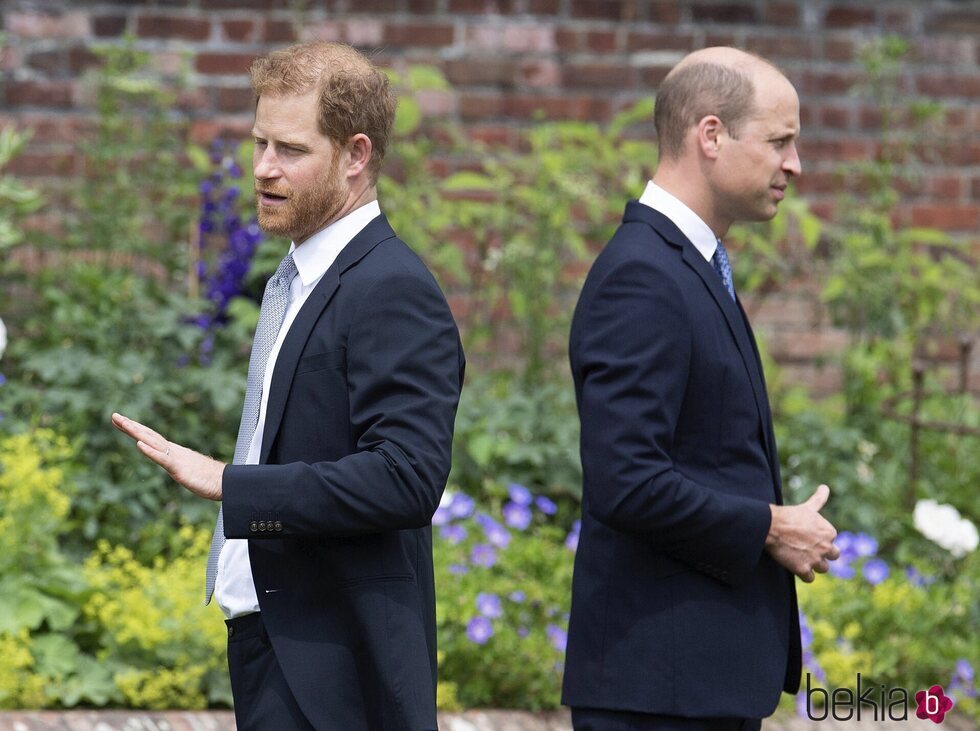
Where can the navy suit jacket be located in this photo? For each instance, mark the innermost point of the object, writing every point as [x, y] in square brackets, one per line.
[676, 607]
[354, 459]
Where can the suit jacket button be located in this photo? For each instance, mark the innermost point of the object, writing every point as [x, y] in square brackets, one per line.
[278, 526]
[262, 525]
[253, 526]
[231, 631]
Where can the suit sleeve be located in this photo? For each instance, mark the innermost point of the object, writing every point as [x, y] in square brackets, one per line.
[631, 352]
[404, 374]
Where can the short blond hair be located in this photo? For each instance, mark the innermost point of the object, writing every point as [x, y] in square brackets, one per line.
[354, 95]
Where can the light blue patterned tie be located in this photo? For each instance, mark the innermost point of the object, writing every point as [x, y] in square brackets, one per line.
[274, 303]
[720, 262]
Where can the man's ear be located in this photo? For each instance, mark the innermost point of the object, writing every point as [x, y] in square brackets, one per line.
[711, 131]
[360, 149]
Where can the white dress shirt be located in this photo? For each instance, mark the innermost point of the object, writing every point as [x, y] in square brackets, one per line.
[689, 222]
[234, 588]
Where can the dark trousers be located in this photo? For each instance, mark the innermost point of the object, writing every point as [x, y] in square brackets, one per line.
[263, 701]
[599, 719]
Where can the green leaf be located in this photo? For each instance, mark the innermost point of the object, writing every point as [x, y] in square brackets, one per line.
[407, 117]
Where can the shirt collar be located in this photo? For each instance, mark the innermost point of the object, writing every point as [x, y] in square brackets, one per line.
[319, 251]
[690, 223]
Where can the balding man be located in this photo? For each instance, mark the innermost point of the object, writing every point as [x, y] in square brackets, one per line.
[684, 610]
[322, 553]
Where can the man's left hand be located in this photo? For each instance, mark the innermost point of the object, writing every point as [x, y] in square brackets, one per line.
[198, 473]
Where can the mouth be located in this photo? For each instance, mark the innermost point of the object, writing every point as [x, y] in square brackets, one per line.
[779, 191]
[267, 198]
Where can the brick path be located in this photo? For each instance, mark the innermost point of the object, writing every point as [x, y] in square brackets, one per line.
[466, 721]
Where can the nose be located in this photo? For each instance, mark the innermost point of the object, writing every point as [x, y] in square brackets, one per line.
[791, 163]
[265, 164]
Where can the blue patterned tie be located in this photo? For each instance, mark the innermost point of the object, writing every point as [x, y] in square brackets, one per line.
[273, 310]
[720, 262]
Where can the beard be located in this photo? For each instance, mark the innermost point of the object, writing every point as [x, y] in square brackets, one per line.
[305, 211]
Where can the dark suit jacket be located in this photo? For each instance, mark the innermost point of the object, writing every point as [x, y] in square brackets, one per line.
[355, 455]
[676, 608]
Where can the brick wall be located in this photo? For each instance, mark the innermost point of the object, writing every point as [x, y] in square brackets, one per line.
[510, 59]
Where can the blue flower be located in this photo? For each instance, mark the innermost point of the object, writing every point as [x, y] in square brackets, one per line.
[495, 533]
[571, 542]
[558, 637]
[523, 632]
[545, 505]
[517, 596]
[442, 516]
[519, 494]
[461, 505]
[516, 515]
[841, 569]
[483, 555]
[864, 545]
[479, 630]
[489, 605]
[3, 379]
[875, 571]
[453, 533]
[458, 569]
[845, 542]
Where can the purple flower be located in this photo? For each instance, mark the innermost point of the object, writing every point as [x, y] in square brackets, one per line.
[917, 579]
[519, 494]
[517, 596]
[495, 533]
[558, 637]
[964, 671]
[516, 515]
[841, 569]
[442, 516]
[571, 542]
[875, 571]
[489, 605]
[845, 541]
[483, 555]
[458, 569]
[864, 545]
[523, 632]
[545, 505]
[461, 505]
[479, 630]
[3, 379]
[453, 533]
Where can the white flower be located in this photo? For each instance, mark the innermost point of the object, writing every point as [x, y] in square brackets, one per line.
[3, 337]
[943, 525]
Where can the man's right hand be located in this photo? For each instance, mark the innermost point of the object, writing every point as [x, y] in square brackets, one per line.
[800, 539]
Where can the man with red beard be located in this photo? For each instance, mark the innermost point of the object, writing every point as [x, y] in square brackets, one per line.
[322, 553]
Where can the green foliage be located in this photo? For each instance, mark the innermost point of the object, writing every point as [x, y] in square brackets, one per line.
[16, 199]
[520, 664]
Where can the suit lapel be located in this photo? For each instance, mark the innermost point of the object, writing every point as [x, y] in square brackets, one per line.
[374, 233]
[734, 316]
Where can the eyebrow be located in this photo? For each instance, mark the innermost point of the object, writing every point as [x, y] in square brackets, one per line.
[283, 143]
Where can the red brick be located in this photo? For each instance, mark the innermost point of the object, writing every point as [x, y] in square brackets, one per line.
[602, 41]
[946, 50]
[109, 26]
[603, 9]
[224, 63]
[838, 149]
[238, 30]
[416, 35]
[975, 188]
[569, 41]
[203, 131]
[806, 345]
[896, 21]
[480, 106]
[944, 187]
[279, 31]
[818, 182]
[543, 7]
[835, 117]
[838, 49]
[946, 216]
[724, 13]
[492, 134]
[422, 7]
[947, 85]
[472, 7]
[784, 14]
[664, 12]
[659, 41]
[653, 76]
[475, 71]
[543, 73]
[173, 26]
[717, 38]
[47, 25]
[782, 47]
[51, 63]
[820, 380]
[827, 82]
[584, 108]
[847, 16]
[39, 93]
[81, 59]
[965, 21]
[599, 76]
[235, 99]
[34, 164]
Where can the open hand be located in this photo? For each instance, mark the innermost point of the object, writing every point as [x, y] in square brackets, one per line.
[198, 473]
